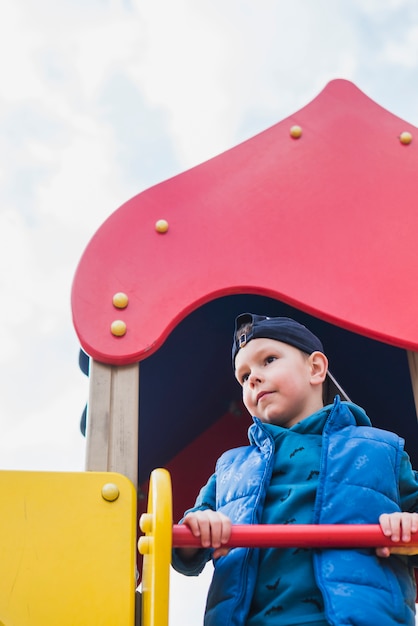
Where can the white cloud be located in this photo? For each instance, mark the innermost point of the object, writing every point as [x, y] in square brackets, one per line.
[404, 50]
[17, 283]
[179, 70]
[18, 41]
[211, 65]
[39, 430]
[377, 8]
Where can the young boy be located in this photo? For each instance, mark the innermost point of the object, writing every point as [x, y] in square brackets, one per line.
[312, 459]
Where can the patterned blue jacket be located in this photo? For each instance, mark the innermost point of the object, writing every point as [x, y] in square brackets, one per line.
[359, 479]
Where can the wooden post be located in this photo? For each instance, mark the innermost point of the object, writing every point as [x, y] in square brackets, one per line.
[413, 369]
[112, 419]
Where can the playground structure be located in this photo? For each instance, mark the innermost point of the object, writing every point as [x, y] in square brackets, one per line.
[313, 218]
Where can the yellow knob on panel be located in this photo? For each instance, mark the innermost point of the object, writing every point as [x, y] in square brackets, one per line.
[145, 522]
[144, 545]
[110, 492]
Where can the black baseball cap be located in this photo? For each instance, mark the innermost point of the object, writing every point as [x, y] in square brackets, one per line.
[288, 331]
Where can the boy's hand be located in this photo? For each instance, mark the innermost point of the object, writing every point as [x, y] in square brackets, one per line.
[399, 527]
[213, 529]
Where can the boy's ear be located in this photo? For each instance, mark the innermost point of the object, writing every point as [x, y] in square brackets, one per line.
[319, 367]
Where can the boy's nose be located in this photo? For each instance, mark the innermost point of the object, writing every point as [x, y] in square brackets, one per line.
[255, 377]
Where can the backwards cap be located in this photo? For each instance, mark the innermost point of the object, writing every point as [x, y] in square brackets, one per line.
[288, 331]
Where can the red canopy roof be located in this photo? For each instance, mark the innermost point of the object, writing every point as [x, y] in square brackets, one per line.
[326, 222]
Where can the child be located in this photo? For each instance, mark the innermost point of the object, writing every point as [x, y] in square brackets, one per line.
[306, 464]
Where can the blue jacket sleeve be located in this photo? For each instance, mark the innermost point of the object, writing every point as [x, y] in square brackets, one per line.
[205, 500]
[408, 486]
[408, 490]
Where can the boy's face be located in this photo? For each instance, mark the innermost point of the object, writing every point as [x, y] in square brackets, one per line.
[280, 384]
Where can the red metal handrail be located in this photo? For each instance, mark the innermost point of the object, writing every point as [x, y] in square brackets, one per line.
[297, 535]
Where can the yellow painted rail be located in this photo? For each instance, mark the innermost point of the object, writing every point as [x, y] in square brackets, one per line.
[155, 546]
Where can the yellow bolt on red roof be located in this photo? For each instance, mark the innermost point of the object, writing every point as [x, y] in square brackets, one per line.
[296, 132]
[161, 226]
[118, 328]
[405, 137]
[120, 300]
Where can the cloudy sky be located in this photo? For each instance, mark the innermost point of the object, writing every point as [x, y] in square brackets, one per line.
[100, 99]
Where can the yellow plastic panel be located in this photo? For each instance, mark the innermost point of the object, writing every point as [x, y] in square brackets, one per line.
[67, 549]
